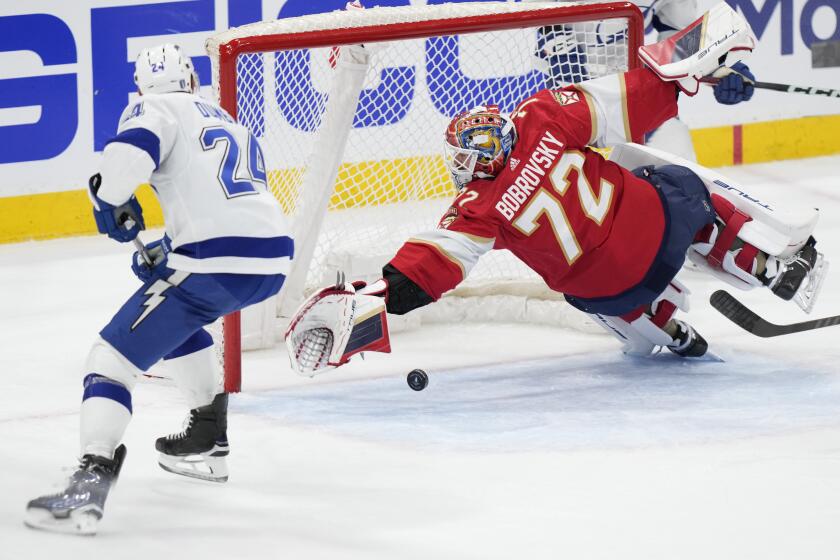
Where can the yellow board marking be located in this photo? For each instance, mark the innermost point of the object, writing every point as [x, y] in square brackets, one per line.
[713, 146]
[62, 214]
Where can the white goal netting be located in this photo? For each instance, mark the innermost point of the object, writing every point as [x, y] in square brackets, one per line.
[353, 135]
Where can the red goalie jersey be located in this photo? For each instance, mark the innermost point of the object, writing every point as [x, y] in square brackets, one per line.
[589, 227]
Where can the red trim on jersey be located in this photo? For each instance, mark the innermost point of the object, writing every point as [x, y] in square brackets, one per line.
[427, 267]
[650, 102]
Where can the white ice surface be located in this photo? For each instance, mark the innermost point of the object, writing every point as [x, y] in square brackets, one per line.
[528, 443]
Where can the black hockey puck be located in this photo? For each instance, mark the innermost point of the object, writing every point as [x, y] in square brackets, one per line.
[417, 379]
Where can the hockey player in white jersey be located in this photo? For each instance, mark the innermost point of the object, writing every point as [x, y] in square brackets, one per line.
[226, 246]
[565, 54]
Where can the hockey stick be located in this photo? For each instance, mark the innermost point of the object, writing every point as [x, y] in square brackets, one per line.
[138, 244]
[748, 320]
[787, 88]
[125, 220]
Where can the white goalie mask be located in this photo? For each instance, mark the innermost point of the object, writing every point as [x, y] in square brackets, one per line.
[164, 69]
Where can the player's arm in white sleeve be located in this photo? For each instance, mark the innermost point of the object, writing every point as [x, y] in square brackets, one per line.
[144, 139]
[670, 16]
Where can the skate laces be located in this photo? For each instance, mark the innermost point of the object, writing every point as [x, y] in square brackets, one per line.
[69, 475]
[187, 427]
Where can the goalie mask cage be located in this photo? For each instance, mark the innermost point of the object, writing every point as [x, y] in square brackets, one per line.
[350, 108]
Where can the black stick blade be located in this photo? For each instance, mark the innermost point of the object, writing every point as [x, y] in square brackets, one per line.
[748, 320]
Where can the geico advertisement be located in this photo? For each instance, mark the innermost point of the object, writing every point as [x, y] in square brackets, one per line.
[66, 72]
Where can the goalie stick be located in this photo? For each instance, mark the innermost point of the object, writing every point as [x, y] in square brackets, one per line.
[748, 320]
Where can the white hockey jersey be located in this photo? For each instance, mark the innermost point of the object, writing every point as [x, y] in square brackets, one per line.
[210, 178]
[667, 16]
[664, 16]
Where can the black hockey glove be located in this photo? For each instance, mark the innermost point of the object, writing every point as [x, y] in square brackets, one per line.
[403, 294]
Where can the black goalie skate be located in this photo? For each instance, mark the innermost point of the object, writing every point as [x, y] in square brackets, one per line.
[200, 450]
[79, 507]
[688, 343]
[799, 278]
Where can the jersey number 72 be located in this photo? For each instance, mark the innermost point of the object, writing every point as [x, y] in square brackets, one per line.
[594, 207]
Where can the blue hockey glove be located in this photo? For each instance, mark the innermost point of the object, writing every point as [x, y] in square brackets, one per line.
[157, 251]
[559, 57]
[122, 222]
[733, 88]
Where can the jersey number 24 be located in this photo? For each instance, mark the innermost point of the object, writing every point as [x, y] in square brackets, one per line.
[235, 180]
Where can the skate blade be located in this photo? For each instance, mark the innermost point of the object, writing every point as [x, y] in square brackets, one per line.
[212, 469]
[707, 357]
[660, 354]
[83, 521]
[807, 294]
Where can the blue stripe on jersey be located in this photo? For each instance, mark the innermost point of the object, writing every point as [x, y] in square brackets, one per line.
[200, 340]
[250, 247]
[100, 386]
[142, 138]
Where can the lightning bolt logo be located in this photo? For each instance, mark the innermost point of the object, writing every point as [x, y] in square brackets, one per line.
[155, 293]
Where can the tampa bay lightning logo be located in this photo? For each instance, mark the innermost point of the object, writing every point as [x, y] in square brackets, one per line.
[156, 294]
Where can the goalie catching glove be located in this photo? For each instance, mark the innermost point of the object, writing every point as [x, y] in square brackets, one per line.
[336, 323]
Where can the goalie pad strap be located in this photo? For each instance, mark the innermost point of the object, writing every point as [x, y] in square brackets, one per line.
[734, 220]
[664, 311]
[746, 257]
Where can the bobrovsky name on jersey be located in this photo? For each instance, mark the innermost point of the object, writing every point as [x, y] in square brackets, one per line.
[530, 176]
[54, 89]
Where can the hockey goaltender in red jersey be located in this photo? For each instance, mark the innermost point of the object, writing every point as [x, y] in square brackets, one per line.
[610, 239]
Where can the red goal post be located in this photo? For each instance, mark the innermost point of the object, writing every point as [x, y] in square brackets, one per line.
[302, 52]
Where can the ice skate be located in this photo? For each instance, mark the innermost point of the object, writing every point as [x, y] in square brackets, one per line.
[200, 450]
[798, 278]
[687, 342]
[79, 507]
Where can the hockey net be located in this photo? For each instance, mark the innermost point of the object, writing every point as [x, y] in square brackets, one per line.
[352, 135]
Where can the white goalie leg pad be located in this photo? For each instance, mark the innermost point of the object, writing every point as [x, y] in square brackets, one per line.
[643, 334]
[334, 324]
[639, 338]
[778, 229]
[729, 271]
[673, 136]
